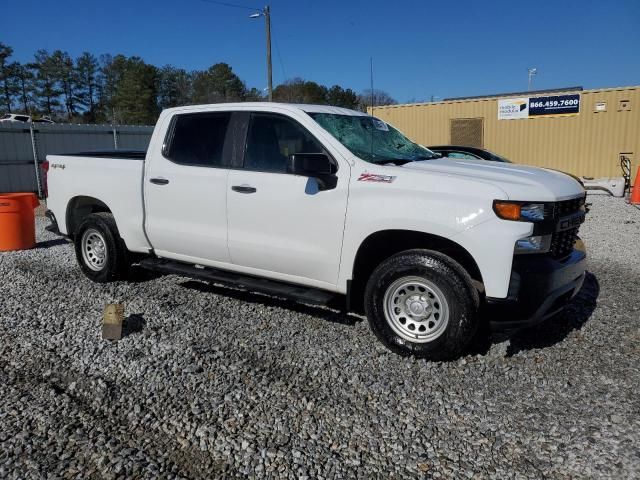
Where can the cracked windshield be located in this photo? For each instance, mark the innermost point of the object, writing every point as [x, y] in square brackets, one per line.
[371, 139]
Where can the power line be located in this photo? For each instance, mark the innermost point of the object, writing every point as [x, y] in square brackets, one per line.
[275, 40]
[225, 4]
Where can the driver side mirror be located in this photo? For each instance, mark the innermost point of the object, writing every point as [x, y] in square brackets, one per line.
[314, 165]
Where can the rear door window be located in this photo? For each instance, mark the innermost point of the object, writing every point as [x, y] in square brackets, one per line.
[272, 139]
[198, 139]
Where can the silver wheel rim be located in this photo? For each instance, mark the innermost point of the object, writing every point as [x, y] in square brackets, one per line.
[416, 309]
[94, 249]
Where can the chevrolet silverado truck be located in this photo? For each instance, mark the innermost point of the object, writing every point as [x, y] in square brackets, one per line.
[318, 203]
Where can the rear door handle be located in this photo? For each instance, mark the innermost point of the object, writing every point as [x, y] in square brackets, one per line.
[159, 181]
[243, 189]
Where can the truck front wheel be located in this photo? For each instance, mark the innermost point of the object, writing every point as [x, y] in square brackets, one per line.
[100, 251]
[422, 303]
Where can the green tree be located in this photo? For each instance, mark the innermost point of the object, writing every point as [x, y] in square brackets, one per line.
[174, 87]
[110, 75]
[64, 74]
[120, 89]
[24, 85]
[135, 97]
[339, 97]
[376, 98]
[301, 91]
[46, 89]
[254, 95]
[6, 76]
[86, 81]
[218, 84]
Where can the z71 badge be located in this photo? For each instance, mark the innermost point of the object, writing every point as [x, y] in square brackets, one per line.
[374, 177]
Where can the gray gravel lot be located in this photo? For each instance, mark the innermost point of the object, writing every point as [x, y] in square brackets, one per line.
[214, 382]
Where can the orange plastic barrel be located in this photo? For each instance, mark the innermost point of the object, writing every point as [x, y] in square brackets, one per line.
[17, 221]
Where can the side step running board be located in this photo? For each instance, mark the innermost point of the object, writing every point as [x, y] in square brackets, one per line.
[246, 282]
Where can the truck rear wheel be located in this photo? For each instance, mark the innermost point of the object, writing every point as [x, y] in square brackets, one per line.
[100, 251]
[422, 303]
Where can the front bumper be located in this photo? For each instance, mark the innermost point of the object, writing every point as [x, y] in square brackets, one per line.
[540, 287]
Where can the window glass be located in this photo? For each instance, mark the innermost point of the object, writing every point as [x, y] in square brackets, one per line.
[22, 118]
[462, 155]
[198, 139]
[272, 139]
[497, 158]
[371, 139]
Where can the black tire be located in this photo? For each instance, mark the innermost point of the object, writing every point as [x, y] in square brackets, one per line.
[448, 279]
[115, 264]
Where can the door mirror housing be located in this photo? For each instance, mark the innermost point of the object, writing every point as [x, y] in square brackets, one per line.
[314, 165]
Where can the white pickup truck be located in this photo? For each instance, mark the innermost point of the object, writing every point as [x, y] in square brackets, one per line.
[316, 203]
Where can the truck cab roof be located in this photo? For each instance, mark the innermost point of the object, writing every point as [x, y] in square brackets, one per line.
[271, 105]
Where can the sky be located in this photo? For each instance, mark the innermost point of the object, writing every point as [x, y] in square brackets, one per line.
[419, 48]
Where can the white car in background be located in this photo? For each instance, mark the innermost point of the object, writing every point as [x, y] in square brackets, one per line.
[17, 117]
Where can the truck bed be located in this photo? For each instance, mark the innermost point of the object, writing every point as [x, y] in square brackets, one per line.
[112, 177]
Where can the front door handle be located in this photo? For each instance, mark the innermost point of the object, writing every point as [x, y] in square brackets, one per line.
[243, 189]
[159, 181]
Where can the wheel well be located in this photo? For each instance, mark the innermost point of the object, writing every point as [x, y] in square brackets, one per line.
[381, 245]
[79, 208]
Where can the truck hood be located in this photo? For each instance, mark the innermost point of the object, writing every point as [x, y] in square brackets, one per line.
[519, 182]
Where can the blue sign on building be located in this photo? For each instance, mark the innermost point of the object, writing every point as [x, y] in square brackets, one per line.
[554, 105]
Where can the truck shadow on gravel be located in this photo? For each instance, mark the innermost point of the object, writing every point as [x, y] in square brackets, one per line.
[52, 243]
[331, 313]
[557, 328]
[550, 332]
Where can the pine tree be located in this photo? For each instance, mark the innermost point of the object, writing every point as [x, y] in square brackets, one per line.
[339, 97]
[135, 97]
[86, 81]
[6, 76]
[64, 73]
[46, 90]
[24, 85]
[174, 87]
[110, 75]
[218, 84]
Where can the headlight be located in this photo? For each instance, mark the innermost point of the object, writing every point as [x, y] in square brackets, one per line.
[518, 211]
[533, 212]
[534, 244]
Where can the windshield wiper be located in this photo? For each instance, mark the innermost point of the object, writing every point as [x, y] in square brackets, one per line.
[396, 161]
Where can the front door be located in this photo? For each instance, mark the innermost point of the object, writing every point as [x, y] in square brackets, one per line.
[279, 222]
[185, 189]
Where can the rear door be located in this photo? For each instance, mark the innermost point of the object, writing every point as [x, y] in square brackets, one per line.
[279, 222]
[185, 189]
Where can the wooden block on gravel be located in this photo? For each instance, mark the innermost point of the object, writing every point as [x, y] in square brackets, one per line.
[112, 321]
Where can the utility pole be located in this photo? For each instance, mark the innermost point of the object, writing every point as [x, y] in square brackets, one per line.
[267, 18]
[266, 13]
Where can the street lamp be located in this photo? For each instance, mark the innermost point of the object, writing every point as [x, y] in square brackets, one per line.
[266, 13]
[532, 72]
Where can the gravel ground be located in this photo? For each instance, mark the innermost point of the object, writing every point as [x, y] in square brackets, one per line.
[214, 382]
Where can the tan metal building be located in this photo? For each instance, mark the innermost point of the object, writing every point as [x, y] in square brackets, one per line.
[531, 128]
